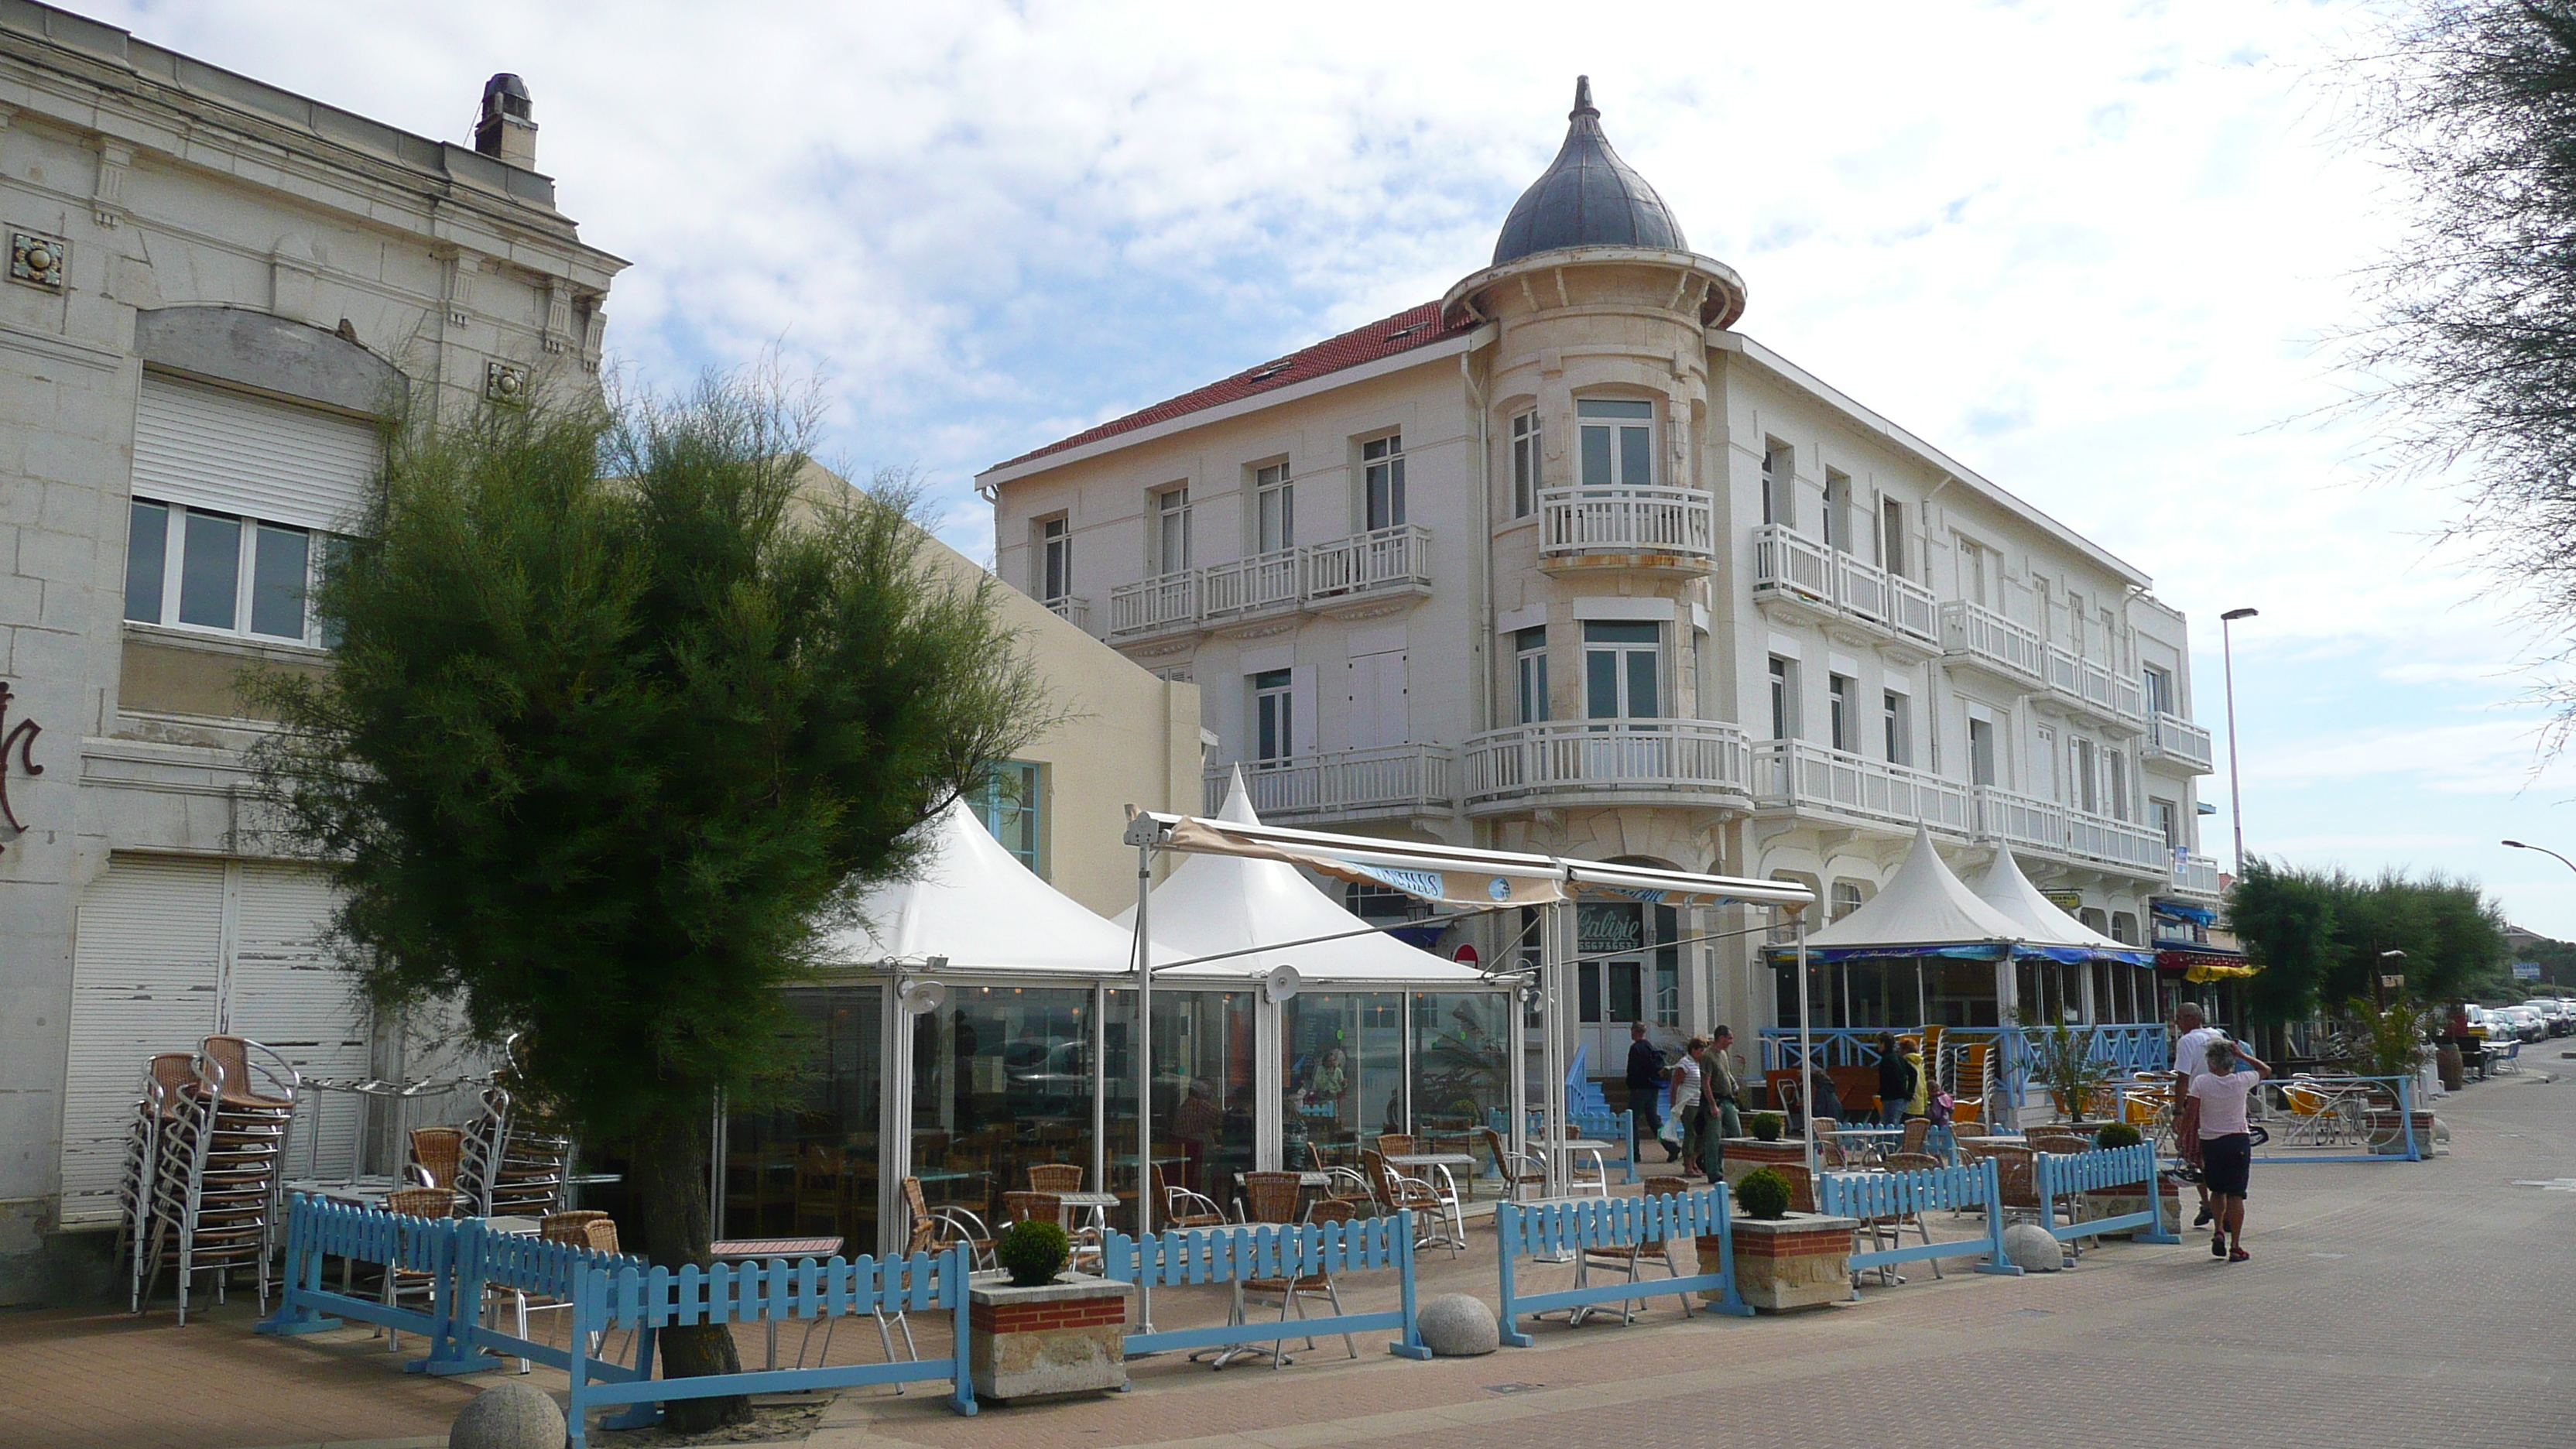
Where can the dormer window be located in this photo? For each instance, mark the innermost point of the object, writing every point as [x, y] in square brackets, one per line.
[1618, 442]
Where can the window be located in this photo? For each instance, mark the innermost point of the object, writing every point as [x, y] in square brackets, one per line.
[1778, 469]
[1618, 442]
[2045, 757]
[1784, 698]
[2160, 814]
[1382, 475]
[1621, 666]
[1846, 899]
[1275, 507]
[2075, 624]
[1055, 560]
[2117, 764]
[1977, 573]
[1172, 530]
[1274, 735]
[1377, 903]
[1893, 710]
[1529, 664]
[2080, 772]
[207, 570]
[1525, 455]
[2159, 690]
[1837, 511]
[1839, 707]
[1891, 536]
[1012, 806]
[1981, 752]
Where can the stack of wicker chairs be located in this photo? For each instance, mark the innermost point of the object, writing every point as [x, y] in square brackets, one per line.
[210, 1198]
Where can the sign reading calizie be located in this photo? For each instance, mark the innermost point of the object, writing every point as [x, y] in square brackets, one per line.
[1612, 927]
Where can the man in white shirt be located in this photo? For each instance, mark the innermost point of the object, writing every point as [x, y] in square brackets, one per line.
[2191, 1058]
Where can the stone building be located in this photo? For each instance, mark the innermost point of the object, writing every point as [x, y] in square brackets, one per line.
[1567, 561]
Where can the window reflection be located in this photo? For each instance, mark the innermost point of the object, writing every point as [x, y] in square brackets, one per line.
[809, 1166]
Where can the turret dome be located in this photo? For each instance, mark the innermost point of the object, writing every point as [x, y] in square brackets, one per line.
[1587, 197]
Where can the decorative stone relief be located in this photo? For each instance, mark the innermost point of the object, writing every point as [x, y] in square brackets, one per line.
[36, 260]
[558, 329]
[107, 199]
[504, 383]
[594, 336]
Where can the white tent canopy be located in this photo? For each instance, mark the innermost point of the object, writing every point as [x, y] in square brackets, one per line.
[1923, 906]
[1215, 904]
[975, 904]
[2041, 921]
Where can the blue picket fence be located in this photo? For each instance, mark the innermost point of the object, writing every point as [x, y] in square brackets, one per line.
[1271, 1251]
[647, 1300]
[317, 1229]
[1573, 1227]
[2056, 1176]
[1889, 1196]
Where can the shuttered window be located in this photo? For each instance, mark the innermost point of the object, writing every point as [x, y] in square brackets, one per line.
[170, 950]
[228, 452]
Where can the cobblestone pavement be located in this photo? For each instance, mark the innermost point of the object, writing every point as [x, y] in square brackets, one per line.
[2386, 1306]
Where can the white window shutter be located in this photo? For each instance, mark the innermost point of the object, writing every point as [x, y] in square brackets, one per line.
[210, 448]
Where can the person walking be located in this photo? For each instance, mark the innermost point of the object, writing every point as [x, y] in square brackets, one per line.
[1646, 1084]
[2227, 1141]
[1920, 1104]
[2193, 1036]
[1686, 1099]
[1895, 1081]
[1719, 1116]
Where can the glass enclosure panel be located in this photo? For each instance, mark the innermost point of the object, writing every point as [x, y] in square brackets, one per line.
[147, 547]
[1001, 1079]
[1462, 1077]
[277, 582]
[209, 570]
[1343, 1054]
[1203, 1094]
[809, 1165]
[1961, 993]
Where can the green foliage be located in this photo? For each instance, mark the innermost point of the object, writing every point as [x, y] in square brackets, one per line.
[2388, 1043]
[2066, 1064]
[1763, 1193]
[1033, 1252]
[2318, 935]
[1765, 1126]
[2117, 1134]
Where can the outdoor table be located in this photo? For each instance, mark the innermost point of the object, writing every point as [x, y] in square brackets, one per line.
[1097, 1204]
[756, 1250]
[1869, 1143]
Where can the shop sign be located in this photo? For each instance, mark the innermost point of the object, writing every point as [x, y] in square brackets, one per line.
[1614, 927]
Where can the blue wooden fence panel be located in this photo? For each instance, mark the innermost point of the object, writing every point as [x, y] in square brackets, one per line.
[650, 1299]
[1566, 1226]
[1976, 1187]
[1267, 1250]
[2067, 1175]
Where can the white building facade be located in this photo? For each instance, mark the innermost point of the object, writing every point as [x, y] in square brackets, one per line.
[218, 293]
[1567, 562]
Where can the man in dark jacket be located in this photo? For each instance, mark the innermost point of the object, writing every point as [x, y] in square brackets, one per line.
[1646, 1084]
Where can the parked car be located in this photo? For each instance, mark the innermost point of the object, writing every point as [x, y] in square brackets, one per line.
[2561, 1018]
[2527, 1024]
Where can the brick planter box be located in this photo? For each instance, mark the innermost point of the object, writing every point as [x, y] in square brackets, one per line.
[2120, 1201]
[1066, 1337]
[1788, 1155]
[1801, 1261]
[2382, 1122]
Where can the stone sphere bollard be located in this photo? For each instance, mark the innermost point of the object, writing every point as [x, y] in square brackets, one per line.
[508, 1416]
[2029, 1247]
[1458, 1325]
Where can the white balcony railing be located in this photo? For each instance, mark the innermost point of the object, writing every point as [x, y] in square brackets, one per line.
[1679, 755]
[2046, 825]
[1785, 562]
[1288, 578]
[1073, 610]
[1575, 521]
[2177, 738]
[1396, 778]
[1797, 775]
[1980, 634]
[2195, 875]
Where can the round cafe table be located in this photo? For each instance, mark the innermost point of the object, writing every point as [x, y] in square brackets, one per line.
[761, 1250]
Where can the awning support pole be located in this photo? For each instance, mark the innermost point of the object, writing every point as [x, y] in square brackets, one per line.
[1806, 1053]
[1143, 832]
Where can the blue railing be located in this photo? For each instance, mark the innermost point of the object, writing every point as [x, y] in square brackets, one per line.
[2068, 1175]
[1281, 1252]
[2125, 1046]
[1583, 1226]
[1892, 1196]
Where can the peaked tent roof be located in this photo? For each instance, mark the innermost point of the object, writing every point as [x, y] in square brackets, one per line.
[2044, 924]
[1924, 910]
[974, 903]
[1219, 903]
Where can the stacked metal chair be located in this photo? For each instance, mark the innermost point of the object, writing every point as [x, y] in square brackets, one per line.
[514, 1160]
[209, 1151]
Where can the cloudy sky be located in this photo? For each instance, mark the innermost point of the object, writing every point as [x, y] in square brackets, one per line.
[2092, 249]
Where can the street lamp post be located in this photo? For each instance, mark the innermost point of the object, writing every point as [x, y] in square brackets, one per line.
[2235, 796]
[2545, 850]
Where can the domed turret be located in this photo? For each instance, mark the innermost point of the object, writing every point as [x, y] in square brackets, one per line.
[1587, 197]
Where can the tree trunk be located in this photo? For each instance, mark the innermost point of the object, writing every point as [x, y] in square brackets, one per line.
[668, 1174]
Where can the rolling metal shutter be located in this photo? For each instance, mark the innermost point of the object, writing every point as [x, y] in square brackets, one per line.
[284, 990]
[210, 448]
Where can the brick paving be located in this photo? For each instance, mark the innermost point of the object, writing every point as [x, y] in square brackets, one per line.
[2386, 1306]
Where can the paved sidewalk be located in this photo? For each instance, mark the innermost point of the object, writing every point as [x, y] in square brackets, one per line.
[2367, 1318]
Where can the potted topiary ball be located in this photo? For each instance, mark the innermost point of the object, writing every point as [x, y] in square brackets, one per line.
[2117, 1134]
[1763, 1194]
[1765, 1126]
[1033, 1252]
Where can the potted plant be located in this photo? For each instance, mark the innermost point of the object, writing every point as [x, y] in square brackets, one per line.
[1763, 1193]
[2065, 1062]
[1765, 1126]
[2117, 1134]
[1033, 1252]
[2392, 1042]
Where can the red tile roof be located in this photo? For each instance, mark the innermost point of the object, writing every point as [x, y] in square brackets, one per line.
[1411, 328]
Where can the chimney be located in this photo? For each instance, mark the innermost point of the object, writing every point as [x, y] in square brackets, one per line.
[505, 133]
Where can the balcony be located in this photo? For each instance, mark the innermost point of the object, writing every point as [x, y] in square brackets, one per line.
[1674, 528]
[1562, 763]
[1978, 637]
[2196, 876]
[1796, 775]
[1074, 611]
[1396, 781]
[1834, 584]
[2093, 688]
[2071, 834]
[2171, 737]
[1388, 561]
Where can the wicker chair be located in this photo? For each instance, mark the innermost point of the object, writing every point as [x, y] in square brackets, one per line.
[937, 1231]
[1630, 1258]
[1517, 1169]
[1437, 1219]
[1396, 1144]
[1289, 1292]
[1183, 1208]
[1916, 1130]
[1055, 1177]
[436, 1153]
[413, 1202]
[1344, 1178]
[1270, 1197]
